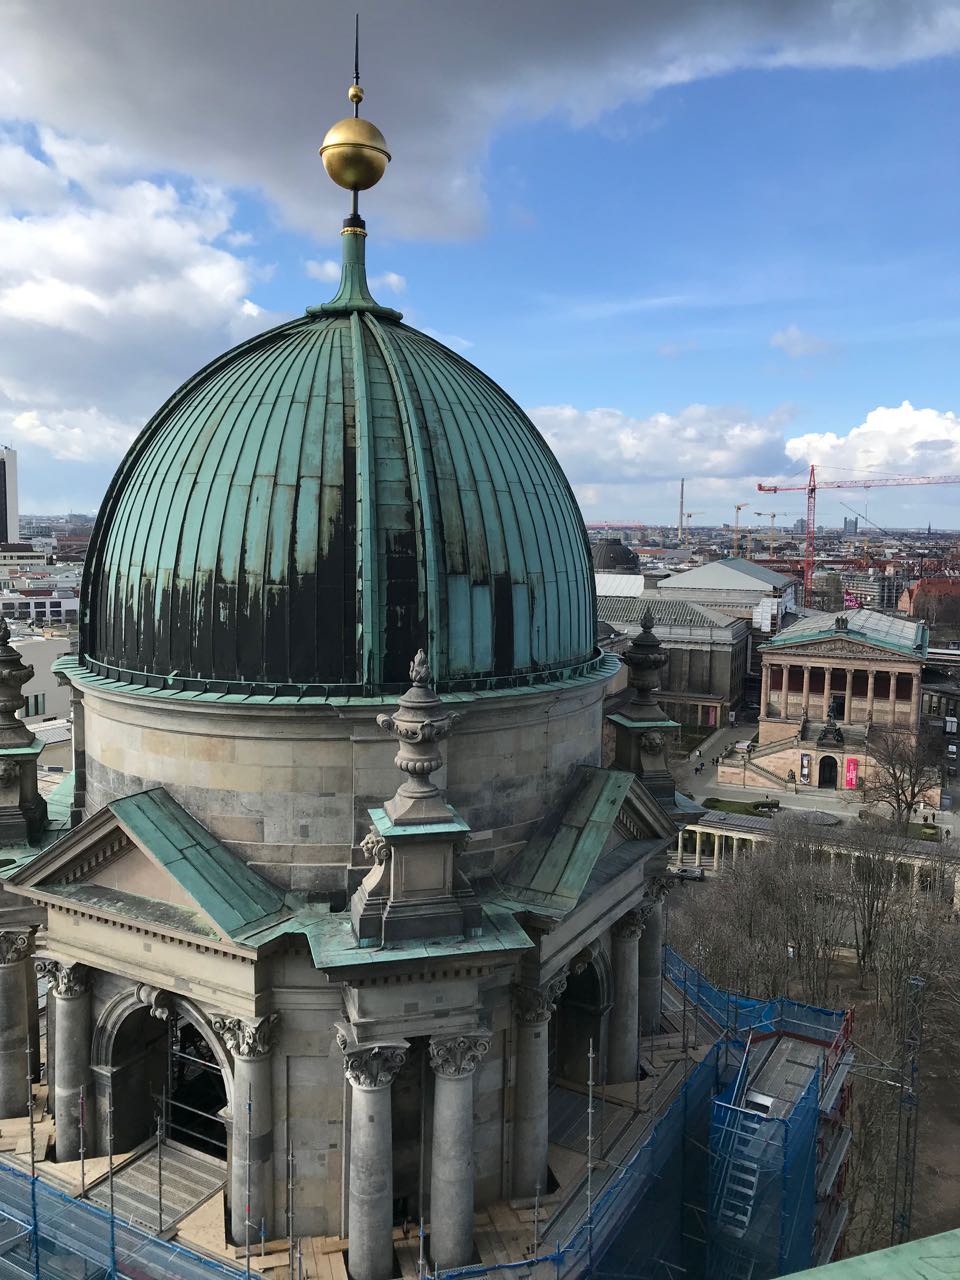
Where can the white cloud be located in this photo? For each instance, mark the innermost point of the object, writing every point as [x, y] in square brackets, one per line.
[109, 296]
[897, 440]
[75, 435]
[451, 340]
[328, 270]
[92, 70]
[608, 447]
[797, 344]
[389, 280]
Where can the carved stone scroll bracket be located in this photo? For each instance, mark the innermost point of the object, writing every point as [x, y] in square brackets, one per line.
[157, 1001]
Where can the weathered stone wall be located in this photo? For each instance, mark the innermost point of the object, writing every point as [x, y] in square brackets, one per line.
[289, 788]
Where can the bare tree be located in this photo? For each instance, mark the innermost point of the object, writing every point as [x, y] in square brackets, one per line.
[905, 768]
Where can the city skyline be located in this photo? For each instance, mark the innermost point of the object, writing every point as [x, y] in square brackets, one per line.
[685, 248]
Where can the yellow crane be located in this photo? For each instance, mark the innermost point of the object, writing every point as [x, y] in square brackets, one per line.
[773, 531]
[736, 526]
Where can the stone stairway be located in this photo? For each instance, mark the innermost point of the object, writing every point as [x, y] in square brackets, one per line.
[187, 1179]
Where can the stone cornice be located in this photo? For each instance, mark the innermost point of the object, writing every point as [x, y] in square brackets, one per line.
[792, 655]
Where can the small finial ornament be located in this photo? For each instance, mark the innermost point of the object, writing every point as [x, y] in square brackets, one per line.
[354, 151]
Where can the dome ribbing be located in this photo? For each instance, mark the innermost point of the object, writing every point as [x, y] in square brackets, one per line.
[323, 500]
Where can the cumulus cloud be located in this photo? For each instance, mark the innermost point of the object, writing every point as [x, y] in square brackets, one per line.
[607, 446]
[110, 294]
[328, 270]
[897, 440]
[140, 76]
[792, 341]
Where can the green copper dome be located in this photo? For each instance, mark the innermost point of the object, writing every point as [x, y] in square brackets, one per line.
[322, 501]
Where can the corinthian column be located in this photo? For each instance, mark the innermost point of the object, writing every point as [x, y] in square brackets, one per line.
[70, 989]
[650, 955]
[250, 1044]
[533, 1007]
[14, 1024]
[370, 1070]
[454, 1060]
[624, 1041]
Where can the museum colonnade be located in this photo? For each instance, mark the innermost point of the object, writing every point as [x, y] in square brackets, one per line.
[868, 694]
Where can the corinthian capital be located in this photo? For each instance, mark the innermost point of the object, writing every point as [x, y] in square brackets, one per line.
[632, 924]
[15, 945]
[458, 1055]
[66, 980]
[247, 1039]
[370, 1066]
[536, 1004]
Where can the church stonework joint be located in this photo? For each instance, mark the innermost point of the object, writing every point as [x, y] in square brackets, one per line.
[458, 1055]
[370, 1067]
[14, 945]
[244, 1039]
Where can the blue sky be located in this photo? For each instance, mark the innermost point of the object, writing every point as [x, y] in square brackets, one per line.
[685, 251]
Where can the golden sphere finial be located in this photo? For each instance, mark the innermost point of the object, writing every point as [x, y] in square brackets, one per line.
[355, 94]
[354, 151]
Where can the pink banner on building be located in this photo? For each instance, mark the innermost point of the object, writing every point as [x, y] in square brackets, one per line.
[850, 773]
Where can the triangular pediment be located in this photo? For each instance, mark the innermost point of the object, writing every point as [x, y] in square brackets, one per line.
[608, 816]
[844, 646]
[144, 858]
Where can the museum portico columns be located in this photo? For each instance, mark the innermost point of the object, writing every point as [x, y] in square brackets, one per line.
[15, 947]
[848, 696]
[915, 700]
[871, 681]
[624, 1037]
[765, 690]
[892, 700]
[70, 990]
[370, 1070]
[825, 705]
[806, 692]
[251, 1164]
[533, 1007]
[454, 1059]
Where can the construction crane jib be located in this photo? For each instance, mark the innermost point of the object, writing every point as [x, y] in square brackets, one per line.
[810, 488]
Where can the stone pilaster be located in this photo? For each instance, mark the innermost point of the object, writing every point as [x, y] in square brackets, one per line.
[370, 1070]
[250, 1044]
[624, 1038]
[70, 989]
[454, 1059]
[15, 947]
[533, 1007]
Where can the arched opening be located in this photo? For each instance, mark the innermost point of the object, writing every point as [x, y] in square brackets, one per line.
[827, 777]
[159, 1060]
[197, 1093]
[581, 1016]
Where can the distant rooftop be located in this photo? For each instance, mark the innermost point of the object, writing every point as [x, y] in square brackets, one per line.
[628, 611]
[900, 635]
[728, 575]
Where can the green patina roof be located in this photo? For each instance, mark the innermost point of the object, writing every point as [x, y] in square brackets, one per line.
[898, 635]
[933, 1258]
[323, 500]
[553, 870]
[229, 893]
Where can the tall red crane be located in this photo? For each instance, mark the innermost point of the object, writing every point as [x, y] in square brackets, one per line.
[810, 488]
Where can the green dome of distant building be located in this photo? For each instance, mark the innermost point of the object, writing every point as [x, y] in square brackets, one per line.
[322, 501]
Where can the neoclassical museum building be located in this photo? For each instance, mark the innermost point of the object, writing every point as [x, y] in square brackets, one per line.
[343, 882]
